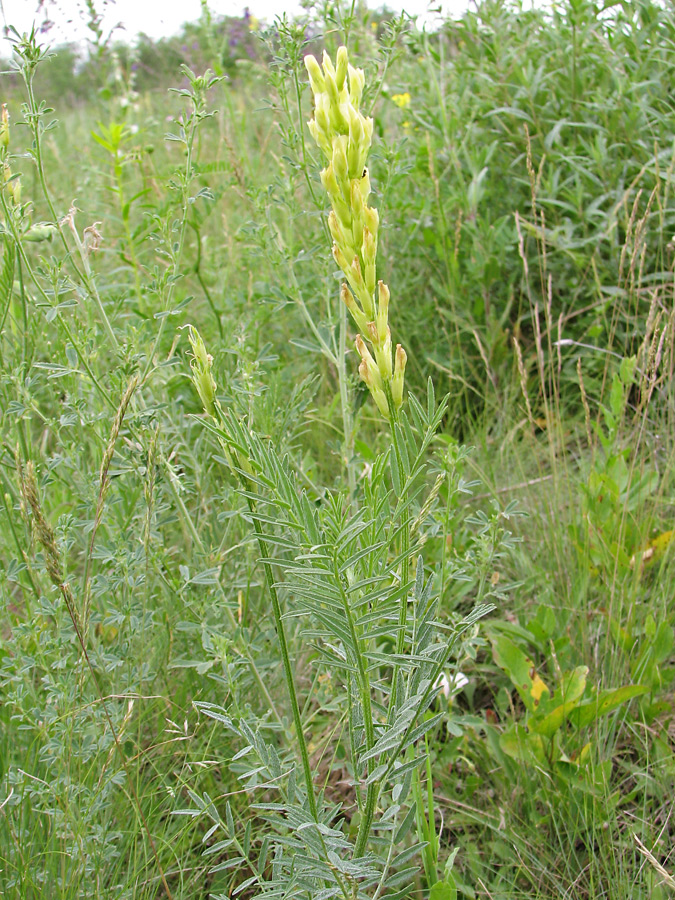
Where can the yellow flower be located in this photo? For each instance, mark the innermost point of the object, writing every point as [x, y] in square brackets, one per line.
[401, 100]
[344, 135]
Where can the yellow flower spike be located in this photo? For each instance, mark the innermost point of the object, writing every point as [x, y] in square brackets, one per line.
[344, 136]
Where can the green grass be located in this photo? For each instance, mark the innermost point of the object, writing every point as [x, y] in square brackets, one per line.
[526, 210]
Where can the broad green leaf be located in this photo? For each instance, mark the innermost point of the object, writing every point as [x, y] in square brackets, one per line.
[604, 703]
[571, 691]
[520, 670]
[444, 890]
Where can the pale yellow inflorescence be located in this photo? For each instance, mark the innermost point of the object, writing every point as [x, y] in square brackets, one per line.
[344, 136]
[11, 182]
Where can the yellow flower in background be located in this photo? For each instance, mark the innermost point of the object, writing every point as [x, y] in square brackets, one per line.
[401, 100]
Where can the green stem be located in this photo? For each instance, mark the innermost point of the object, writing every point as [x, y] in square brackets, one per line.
[364, 685]
[345, 402]
[405, 549]
[288, 669]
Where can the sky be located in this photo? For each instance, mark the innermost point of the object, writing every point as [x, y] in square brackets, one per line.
[161, 18]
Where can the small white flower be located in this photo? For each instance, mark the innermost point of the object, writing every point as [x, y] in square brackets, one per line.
[451, 686]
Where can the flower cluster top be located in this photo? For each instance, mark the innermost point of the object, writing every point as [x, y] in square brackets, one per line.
[344, 136]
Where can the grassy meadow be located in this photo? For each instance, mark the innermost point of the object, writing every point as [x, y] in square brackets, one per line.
[259, 635]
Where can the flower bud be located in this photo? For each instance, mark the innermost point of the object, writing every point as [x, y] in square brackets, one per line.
[356, 82]
[41, 231]
[383, 356]
[339, 158]
[4, 127]
[364, 185]
[329, 181]
[14, 189]
[332, 89]
[382, 311]
[372, 218]
[370, 374]
[369, 253]
[342, 67]
[202, 378]
[399, 373]
[328, 66]
[319, 136]
[357, 313]
[315, 74]
[339, 235]
[322, 117]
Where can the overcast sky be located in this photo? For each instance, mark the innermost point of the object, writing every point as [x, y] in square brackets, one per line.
[160, 18]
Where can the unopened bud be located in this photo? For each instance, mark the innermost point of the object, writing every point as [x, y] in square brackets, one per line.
[369, 253]
[372, 219]
[341, 259]
[383, 357]
[315, 74]
[356, 312]
[329, 181]
[382, 311]
[399, 374]
[342, 67]
[13, 183]
[319, 136]
[202, 378]
[368, 368]
[4, 127]
[328, 66]
[364, 185]
[332, 89]
[356, 82]
[339, 158]
[41, 231]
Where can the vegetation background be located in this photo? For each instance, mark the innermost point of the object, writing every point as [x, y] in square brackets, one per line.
[523, 169]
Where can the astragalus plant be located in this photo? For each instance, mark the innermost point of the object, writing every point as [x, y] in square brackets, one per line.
[350, 568]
